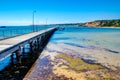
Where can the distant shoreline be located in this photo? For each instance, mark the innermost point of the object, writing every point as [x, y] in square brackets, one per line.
[101, 27]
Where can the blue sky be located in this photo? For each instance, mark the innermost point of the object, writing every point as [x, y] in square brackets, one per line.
[19, 12]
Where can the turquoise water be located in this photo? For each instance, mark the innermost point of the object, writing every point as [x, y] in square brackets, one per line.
[9, 31]
[101, 38]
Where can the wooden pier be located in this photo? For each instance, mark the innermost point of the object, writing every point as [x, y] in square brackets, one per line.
[14, 44]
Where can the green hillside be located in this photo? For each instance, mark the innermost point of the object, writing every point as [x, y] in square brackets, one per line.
[115, 23]
[104, 23]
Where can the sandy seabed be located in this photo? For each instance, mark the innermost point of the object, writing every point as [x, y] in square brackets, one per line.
[106, 58]
[47, 67]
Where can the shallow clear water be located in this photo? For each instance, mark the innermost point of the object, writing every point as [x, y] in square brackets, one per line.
[92, 45]
[99, 38]
[105, 38]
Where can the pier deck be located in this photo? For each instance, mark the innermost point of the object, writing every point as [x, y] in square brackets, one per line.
[8, 46]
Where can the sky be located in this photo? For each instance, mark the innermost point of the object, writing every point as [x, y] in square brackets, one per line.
[20, 12]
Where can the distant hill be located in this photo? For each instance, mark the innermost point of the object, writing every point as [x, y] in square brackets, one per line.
[97, 23]
[104, 23]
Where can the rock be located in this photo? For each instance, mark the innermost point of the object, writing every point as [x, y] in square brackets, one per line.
[17, 72]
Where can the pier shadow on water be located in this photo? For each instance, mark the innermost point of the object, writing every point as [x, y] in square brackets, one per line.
[11, 69]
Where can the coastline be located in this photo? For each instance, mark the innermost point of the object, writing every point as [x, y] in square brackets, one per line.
[101, 26]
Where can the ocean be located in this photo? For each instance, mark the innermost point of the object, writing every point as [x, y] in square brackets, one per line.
[102, 45]
[73, 52]
[84, 41]
[10, 31]
[101, 38]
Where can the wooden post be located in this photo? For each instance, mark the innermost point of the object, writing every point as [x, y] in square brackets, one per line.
[35, 45]
[42, 41]
[12, 58]
[23, 50]
[38, 43]
[17, 52]
[31, 47]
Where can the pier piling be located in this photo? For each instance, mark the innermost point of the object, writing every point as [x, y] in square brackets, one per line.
[18, 58]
